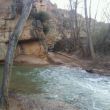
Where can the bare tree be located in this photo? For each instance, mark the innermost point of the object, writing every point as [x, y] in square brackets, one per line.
[77, 30]
[74, 21]
[72, 24]
[95, 17]
[88, 30]
[10, 53]
[106, 12]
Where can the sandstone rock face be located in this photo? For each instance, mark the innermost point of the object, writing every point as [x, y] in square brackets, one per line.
[27, 59]
[3, 49]
[27, 46]
[31, 48]
[40, 6]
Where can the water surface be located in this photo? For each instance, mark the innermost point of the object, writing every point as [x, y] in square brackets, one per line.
[71, 85]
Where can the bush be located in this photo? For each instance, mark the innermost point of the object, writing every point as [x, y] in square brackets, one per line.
[65, 45]
[42, 16]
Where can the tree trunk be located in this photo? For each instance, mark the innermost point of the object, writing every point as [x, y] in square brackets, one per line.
[90, 43]
[72, 23]
[76, 25]
[13, 40]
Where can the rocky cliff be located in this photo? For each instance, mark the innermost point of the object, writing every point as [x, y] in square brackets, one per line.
[27, 45]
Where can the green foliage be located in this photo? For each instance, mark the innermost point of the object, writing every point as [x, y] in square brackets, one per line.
[42, 16]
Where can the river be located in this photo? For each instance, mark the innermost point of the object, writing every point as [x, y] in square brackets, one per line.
[71, 85]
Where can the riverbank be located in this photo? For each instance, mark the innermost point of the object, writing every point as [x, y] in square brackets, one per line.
[100, 65]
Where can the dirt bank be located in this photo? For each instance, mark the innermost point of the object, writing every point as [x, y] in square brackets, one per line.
[100, 65]
[31, 60]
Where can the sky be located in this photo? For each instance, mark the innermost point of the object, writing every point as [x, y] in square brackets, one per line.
[103, 4]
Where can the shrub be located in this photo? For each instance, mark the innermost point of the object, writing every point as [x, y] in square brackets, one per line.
[42, 16]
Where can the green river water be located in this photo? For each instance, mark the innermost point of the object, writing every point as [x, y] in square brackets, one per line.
[71, 85]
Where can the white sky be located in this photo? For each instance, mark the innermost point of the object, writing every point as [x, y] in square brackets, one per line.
[64, 4]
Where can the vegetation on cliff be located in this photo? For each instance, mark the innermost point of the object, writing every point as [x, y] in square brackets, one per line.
[43, 17]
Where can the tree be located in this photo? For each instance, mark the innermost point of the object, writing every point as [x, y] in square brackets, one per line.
[76, 23]
[72, 23]
[88, 29]
[75, 28]
[13, 40]
[96, 14]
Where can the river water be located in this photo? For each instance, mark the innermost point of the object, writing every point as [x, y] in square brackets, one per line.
[71, 85]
